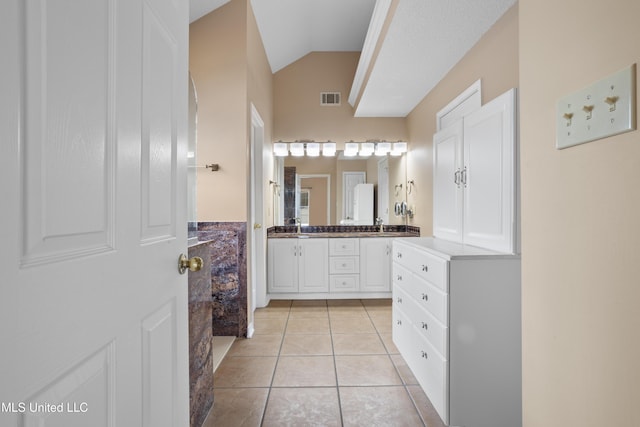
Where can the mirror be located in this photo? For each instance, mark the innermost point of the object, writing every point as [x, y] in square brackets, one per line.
[192, 224]
[321, 190]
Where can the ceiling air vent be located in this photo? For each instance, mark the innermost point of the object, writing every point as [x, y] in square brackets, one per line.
[329, 98]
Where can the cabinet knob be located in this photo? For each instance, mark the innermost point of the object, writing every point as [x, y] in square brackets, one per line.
[425, 268]
[425, 297]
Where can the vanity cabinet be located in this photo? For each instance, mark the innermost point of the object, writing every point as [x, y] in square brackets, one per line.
[457, 323]
[298, 265]
[375, 264]
[334, 267]
[475, 177]
[344, 265]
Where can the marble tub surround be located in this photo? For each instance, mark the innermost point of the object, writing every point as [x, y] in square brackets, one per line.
[284, 231]
[200, 337]
[228, 275]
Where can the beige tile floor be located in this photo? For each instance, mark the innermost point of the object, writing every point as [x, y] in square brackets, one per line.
[319, 363]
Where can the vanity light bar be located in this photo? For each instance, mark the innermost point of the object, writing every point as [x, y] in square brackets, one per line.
[364, 149]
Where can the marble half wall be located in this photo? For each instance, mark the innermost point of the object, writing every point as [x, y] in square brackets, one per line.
[228, 242]
[200, 337]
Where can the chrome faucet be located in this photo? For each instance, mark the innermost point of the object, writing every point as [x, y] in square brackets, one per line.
[380, 223]
[298, 224]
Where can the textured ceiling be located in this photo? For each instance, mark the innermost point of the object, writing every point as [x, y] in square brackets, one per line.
[425, 40]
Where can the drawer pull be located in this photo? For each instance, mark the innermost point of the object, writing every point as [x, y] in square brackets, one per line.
[424, 326]
[399, 322]
[344, 283]
[424, 354]
[425, 297]
[399, 300]
[399, 278]
[399, 255]
[425, 268]
[344, 265]
[344, 246]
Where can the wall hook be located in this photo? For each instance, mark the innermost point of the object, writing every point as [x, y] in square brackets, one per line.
[410, 184]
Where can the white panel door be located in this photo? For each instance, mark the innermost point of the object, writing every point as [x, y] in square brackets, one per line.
[383, 190]
[349, 182]
[93, 121]
[447, 183]
[489, 175]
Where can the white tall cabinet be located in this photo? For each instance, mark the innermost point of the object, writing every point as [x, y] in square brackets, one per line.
[475, 177]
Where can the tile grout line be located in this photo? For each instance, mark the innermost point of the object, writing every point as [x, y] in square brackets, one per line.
[273, 375]
[395, 367]
[335, 367]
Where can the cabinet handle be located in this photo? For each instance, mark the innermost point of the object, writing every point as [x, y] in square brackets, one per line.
[456, 178]
[425, 297]
[463, 175]
[399, 255]
[399, 300]
[300, 250]
[388, 250]
[399, 278]
[425, 268]
[344, 265]
[424, 354]
[424, 326]
[399, 322]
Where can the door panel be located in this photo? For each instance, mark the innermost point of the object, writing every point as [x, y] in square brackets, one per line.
[447, 190]
[93, 122]
[66, 217]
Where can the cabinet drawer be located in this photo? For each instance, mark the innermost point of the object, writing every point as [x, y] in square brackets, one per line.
[401, 330]
[427, 297]
[340, 246]
[344, 265]
[423, 264]
[434, 331]
[344, 282]
[432, 372]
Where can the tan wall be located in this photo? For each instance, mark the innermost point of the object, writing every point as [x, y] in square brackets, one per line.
[318, 200]
[297, 111]
[218, 64]
[494, 59]
[580, 229]
[260, 94]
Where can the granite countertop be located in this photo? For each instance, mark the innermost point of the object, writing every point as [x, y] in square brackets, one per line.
[333, 231]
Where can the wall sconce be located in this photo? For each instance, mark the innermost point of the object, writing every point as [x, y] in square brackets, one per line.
[398, 148]
[296, 149]
[280, 149]
[383, 148]
[367, 149]
[313, 149]
[329, 149]
[351, 149]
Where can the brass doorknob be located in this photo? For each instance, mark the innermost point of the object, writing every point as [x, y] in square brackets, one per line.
[193, 264]
[257, 226]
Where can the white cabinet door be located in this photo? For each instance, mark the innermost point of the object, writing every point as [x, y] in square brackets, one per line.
[375, 264]
[489, 175]
[283, 265]
[447, 185]
[474, 182]
[313, 265]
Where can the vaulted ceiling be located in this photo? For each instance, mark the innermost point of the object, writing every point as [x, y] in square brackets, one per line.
[423, 41]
